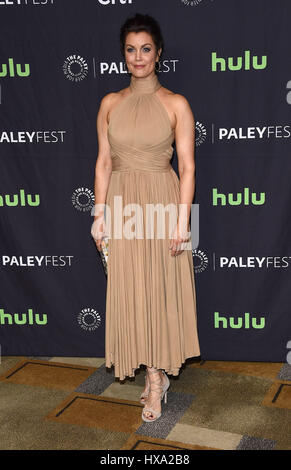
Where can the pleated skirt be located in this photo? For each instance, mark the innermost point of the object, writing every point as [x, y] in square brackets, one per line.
[151, 316]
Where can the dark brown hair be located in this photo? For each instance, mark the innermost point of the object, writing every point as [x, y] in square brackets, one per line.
[140, 23]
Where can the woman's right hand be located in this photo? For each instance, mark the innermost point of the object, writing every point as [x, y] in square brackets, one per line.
[98, 231]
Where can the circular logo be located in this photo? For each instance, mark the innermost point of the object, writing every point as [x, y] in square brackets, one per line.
[191, 3]
[202, 261]
[83, 199]
[75, 68]
[89, 319]
[200, 133]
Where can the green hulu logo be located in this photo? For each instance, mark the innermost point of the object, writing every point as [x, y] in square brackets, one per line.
[19, 200]
[13, 70]
[238, 63]
[29, 318]
[239, 322]
[238, 199]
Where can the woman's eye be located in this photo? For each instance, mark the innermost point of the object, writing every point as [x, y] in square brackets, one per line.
[146, 49]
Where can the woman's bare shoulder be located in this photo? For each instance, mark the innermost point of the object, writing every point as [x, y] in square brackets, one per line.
[175, 103]
[110, 98]
[177, 99]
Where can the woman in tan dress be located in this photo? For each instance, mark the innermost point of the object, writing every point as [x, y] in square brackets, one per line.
[151, 298]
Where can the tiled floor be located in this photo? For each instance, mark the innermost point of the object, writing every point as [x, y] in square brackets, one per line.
[76, 403]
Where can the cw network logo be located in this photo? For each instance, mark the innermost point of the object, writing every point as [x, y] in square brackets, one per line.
[115, 2]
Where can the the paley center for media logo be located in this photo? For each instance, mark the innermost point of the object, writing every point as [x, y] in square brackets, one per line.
[89, 319]
[191, 3]
[75, 68]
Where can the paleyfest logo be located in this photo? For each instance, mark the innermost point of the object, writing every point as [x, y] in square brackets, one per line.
[89, 319]
[83, 199]
[192, 3]
[26, 2]
[200, 133]
[201, 260]
[75, 68]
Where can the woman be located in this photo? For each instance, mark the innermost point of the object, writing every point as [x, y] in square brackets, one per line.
[151, 299]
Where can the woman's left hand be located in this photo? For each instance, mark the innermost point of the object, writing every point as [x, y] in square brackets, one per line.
[179, 237]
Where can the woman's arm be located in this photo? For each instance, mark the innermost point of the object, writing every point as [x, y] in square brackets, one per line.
[103, 168]
[185, 137]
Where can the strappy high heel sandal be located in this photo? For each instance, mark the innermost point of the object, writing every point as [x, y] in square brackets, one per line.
[145, 394]
[162, 390]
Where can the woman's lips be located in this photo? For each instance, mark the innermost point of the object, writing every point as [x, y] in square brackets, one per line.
[139, 66]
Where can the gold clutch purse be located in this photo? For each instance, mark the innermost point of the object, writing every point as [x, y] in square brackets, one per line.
[104, 253]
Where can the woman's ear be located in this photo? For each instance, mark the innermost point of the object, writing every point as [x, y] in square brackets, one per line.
[159, 54]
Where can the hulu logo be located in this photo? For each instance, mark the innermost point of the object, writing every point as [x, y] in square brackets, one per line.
[12, 69]
[240, 322]
[19, 200]
[238, 199]
[238, 63]
[29, 318]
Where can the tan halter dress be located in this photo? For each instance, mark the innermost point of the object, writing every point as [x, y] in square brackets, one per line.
[151, 299]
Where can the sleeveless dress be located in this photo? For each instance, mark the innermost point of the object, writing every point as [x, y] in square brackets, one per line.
[151, 298]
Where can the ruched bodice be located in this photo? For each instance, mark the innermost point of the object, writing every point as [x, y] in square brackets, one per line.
[150, 300]
[144, 140]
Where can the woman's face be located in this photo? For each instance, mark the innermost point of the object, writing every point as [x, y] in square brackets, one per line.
[140, 53]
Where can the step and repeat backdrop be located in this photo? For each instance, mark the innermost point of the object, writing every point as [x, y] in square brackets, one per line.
[232, 61]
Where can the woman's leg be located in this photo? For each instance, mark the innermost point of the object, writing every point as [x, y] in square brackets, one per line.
[156, 379]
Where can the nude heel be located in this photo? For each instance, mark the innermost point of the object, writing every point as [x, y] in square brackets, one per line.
[165, 398]
[163, 395]
[143, 397]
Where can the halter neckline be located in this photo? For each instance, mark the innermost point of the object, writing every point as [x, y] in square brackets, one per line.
[147, 84]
